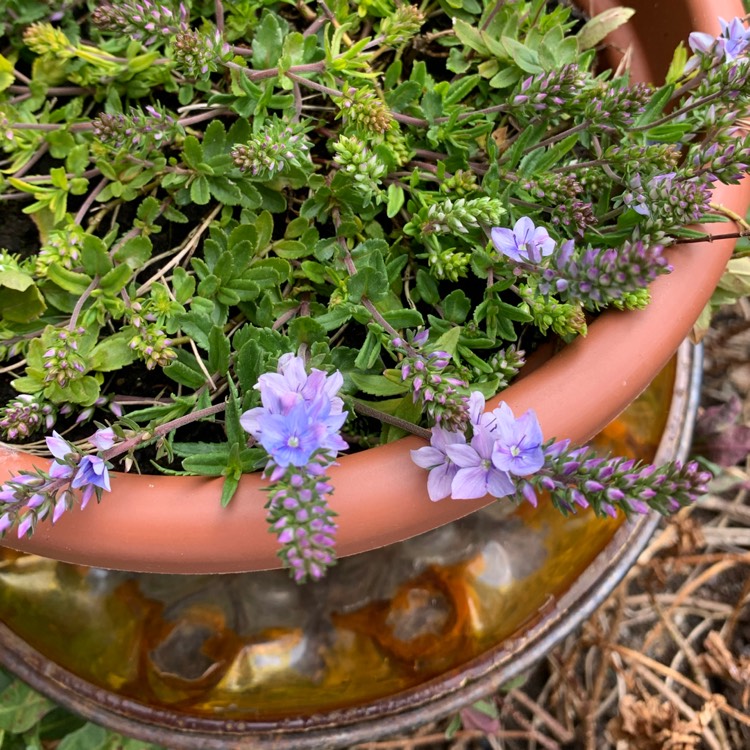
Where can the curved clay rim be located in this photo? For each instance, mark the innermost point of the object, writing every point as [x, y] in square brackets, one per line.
[145, 524]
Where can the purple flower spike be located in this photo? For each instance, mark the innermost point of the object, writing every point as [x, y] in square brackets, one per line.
[524, 243]
[518, 442]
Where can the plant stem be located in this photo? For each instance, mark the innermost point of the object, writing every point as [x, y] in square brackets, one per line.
[711, 238]
[79, 304]
[369, 411]
[161, 430]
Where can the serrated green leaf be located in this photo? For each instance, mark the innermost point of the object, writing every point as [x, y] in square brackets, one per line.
[264, 229]
[267, 43]
[94, 256]
[192, 152]
[115, 280]
[112, 353]
[456, 306]
[199, 191]
[70, 281]
[306, 330]
[183, 284]
[291, 249]
[218, 351]
[82, 391]
[134, 252]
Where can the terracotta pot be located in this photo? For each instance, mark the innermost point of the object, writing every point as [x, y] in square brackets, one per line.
[176, 524]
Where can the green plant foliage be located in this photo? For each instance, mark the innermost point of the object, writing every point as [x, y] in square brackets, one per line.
[210, 193]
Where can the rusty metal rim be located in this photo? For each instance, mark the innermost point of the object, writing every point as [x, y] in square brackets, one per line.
[431, 700]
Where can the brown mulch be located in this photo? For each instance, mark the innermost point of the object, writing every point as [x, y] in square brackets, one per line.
[664, 664]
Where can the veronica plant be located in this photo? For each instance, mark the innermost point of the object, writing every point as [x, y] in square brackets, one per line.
[291, 227]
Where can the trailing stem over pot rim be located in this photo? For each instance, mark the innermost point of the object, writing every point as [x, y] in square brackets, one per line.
[270, 234]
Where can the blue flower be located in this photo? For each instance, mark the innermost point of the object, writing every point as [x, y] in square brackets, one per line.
[525, 242]
[518, 442]
[477, 476]
[735, 37]
[92, 474]
[291, 438]
[300, 414]
[435, 458]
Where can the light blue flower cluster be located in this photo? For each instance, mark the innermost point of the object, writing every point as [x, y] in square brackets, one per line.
[500, 448]
[28, 497]
[299, 424]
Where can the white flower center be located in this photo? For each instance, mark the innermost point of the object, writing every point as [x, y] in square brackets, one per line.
[293, 442]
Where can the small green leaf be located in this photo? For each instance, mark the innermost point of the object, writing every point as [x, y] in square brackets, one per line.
[70, 281]
[187, 376]
[306, 330]
[427, 287]
[470, 36]
[600, 26]
[94, 256]
[192, 152]
[183, 284]
[456, 306]
[377, 385]
[199, 191]
[218, 351]
[369, 353]
[134, 252]
[6, 74]
[116, 279]
[396, 199]
[208, 464]
[229, 488]
[112, 353]
[525, 58]
[267, 43]
[21, 306]
[82, 391]
[404, 318]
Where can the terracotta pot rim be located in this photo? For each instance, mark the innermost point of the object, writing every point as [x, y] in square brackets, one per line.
[380, 495]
